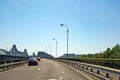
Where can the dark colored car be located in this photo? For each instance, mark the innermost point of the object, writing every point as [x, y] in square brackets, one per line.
[32, 61]
[38, 58]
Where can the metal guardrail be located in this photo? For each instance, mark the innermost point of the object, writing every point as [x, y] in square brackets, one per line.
[91, 68]
[10, 61]
[11, 65]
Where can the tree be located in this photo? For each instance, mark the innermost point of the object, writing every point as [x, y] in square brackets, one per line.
[108, 53]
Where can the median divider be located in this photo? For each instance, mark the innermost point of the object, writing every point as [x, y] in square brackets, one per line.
[102, 72]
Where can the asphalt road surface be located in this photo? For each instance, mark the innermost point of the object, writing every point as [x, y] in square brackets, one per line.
[46, 70]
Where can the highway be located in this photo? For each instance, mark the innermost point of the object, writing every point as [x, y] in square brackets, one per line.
[46, 70]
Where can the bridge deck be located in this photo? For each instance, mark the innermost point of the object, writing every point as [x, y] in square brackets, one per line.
[46, 70]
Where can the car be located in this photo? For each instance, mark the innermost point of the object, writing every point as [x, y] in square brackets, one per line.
[39, 58]
[32, 61]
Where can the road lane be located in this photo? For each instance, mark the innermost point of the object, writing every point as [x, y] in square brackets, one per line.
[46, 70]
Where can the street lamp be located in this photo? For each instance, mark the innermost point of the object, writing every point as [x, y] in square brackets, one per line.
[67, 36]
[56, 45]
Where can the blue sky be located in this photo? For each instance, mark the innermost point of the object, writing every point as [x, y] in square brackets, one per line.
[94, 25]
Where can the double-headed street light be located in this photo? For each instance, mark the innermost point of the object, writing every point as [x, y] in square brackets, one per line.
[56, 45]
[67, 36]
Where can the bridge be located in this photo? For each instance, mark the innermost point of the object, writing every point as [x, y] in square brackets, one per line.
[56, 70]
[46, 70]
[14, 67]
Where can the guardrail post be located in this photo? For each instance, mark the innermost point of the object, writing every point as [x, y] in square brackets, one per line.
[83, 67]
[107, 74]
[98, 72]
[86, 68]
[91, 70]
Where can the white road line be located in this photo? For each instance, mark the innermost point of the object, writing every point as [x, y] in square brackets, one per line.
[61, 78]
[39, 68]
[52, 79]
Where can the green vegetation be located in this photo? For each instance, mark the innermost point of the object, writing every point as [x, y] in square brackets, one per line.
[112, 63]
[113, 53]
[108, 58]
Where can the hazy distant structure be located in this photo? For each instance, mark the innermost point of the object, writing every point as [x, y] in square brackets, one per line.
[25, 52]
[34, 54]
[68, 56]
[14, 52]
[44, 55]
[4, 52]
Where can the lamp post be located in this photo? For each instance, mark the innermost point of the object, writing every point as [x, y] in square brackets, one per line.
[56, 45]
[67, 36]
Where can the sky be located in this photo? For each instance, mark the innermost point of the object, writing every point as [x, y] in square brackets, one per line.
[94, 25]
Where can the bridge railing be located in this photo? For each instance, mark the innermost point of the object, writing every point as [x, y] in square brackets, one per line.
[10, 57]
[6, 64]
[11, 61]
[92, 68]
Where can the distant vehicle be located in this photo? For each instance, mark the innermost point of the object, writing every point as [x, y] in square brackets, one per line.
[39, 58]
[32, 61]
